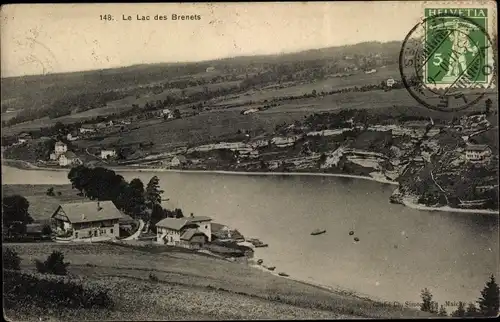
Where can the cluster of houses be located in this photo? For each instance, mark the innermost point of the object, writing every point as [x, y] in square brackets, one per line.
[101, 220]
[63, 156]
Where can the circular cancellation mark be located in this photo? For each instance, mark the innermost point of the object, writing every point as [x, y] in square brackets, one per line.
[446, 62]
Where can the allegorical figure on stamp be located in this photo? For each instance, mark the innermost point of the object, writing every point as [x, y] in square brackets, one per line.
[460, 45]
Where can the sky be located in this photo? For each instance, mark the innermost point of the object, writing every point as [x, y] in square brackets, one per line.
[52, 38]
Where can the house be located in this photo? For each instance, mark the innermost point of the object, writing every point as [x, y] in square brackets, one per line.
[72, 137]
[371, 71]
[87, 129]
[249, 111]
[105, 154]
[191, 232]
[210, 69]
[168, 113]
[83, 220]
[178, 160]
[389, 82]
[60, 147]
[477, 152]
[69, 158]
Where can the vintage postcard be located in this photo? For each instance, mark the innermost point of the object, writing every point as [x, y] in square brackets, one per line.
[239, 161]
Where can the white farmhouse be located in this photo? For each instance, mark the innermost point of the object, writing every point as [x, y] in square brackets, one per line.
[105, 154]
[191, 232]
[168, 113]
[178, 160]
[60, 148]
[69, 158]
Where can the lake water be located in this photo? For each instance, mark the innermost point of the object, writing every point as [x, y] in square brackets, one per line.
[400, 250]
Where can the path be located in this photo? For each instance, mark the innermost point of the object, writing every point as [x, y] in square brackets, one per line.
[136, 235]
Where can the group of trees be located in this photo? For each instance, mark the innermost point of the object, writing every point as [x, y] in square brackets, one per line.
[15, 214]
[133, 198]
[488, 303]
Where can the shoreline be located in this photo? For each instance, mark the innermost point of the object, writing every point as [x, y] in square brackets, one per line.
[404, 201]
[337, 289]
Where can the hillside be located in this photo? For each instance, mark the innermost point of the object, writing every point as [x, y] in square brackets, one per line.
[33, 97]
[190, 286]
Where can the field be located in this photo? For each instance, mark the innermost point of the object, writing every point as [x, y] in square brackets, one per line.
[327, 85]
[193, 286]
[42, 206]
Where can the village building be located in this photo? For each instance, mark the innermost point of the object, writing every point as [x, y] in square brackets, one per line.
[87, 129]
[84, 220]
[178, 160]
[60, 147]
[105, 154]
[210, 69]
[190, 232]
[69, 158]
[477, 152]
[168, 113]
[72, 136]
[249, 111]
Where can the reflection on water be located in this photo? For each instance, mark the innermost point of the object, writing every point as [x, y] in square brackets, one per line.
[400, 250]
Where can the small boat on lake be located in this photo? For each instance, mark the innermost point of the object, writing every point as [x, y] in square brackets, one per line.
[283, 274]
[271, 268]
[318, 232]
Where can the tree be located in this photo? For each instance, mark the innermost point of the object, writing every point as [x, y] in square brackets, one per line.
[50, 191]
[46, 230]
[489, 300]
[177, 113]
[53, 265]
[153, 191]
[427, 304]
[487, 106]
[471, 310]
[460, 311]
[15, 214]
[442, 311]
[178, 213]
[11, 259]
[136, 199]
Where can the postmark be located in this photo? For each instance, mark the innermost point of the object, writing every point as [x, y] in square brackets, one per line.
[446, 61]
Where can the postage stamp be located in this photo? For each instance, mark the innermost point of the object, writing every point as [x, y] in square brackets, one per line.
[456, 48]
[447, 60]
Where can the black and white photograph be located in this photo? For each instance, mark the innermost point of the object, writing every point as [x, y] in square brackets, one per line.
[250, 160]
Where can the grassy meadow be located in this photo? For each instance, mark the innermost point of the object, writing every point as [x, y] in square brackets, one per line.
[192, 286]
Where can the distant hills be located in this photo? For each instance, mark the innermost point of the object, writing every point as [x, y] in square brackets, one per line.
[43, 91]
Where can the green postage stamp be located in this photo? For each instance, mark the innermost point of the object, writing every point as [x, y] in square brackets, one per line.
[457, 50]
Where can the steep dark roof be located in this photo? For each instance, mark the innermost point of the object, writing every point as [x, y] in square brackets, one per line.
[189, 233]
[215, 227]
[81, 212]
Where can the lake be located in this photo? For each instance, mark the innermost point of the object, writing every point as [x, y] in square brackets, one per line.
[400, 250]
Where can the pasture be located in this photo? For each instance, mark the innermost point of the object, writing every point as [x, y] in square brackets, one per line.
[198, 286]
